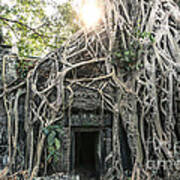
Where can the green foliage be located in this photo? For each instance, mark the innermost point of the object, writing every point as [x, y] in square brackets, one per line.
[23, 66]
[33, 27]
[53, 142]
[128, 57]
[144, 35]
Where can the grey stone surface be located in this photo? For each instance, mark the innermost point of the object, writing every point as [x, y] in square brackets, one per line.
[61, 176]
[11, 75]
[4, 50]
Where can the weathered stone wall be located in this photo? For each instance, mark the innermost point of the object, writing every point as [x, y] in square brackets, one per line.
[4, 50]
[89, 118]
[10, 75]
[3, 137]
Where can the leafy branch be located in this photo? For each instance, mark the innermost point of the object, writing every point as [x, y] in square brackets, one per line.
[22, 24]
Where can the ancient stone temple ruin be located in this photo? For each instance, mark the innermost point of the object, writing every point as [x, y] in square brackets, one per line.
[103, 105]
[86, 137]
[86, 118]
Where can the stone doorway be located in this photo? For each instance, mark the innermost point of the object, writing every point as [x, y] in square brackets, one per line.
[86, 156]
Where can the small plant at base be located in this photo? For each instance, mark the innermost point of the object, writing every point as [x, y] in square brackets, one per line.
[53, 142]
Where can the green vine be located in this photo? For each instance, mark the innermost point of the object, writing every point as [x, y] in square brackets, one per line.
[128, 57]
[53, 142]
[23, 66]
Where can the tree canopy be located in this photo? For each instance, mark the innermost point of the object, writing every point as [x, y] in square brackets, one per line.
[36, 26]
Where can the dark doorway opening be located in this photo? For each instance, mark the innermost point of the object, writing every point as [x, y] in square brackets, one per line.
[86, 155]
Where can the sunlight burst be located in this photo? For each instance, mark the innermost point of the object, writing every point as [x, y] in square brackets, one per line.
[90, 13]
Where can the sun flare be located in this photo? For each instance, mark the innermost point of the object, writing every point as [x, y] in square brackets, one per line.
[90, 13]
